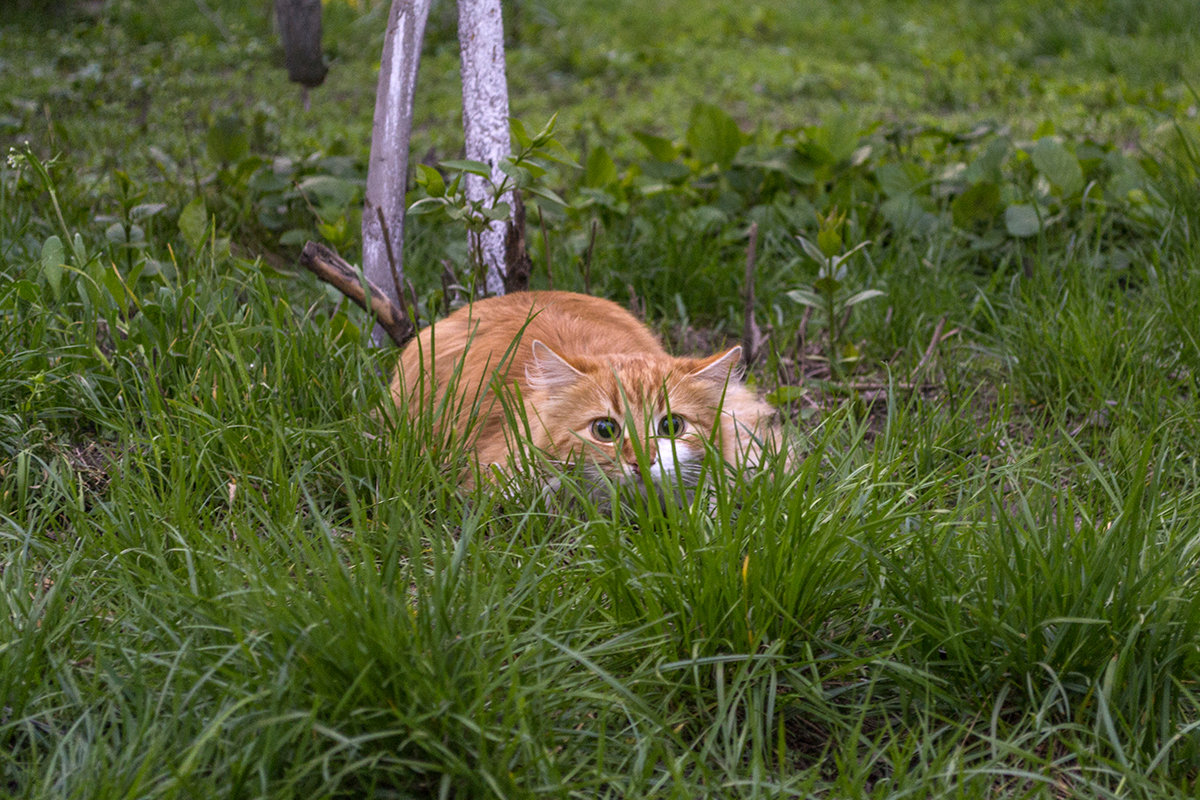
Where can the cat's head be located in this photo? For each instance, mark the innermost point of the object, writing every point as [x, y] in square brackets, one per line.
[628, 416]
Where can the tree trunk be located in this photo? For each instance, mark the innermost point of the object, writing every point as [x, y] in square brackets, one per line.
[485, 124]
[387, 171]
[299, 24]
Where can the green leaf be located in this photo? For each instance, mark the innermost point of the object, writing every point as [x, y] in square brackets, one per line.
[1059, 166]
[1044, 128]
[524, 172]
[829, 240]
[987, 166]
[111, 280]
[543, 136]
[193, 223]
[713, 135]
[786, 394]
[500, 211]
[979, 203]
[812, 250]
[146, 210]
[813, 153]
[779, 160]
[669, 171]
[858, 297]
[1021, 220]
[296, 236]
[521, 176]
[328, 190]
[806, 298]
[905, 213]
[602, 198]
[702, 219]
[78, 250]
[27, 291]
[838, 262]
[553, 150]
[427, 205]
[661, 149]
[547, 194]
[896, 180]
[53, 260]
[465, 165]
[600, 170]
[517, 129]
[431, 180]
[827, 285]
[228, 139]
[839, 136]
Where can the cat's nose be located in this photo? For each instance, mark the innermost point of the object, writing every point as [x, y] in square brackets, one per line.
[630, 455]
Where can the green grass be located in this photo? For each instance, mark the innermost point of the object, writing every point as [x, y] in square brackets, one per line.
[226, 572]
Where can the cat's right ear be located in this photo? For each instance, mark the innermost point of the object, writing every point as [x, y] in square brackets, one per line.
[721, 368]
[549, 370]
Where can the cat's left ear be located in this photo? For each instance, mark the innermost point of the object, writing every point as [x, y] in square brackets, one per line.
[549, 370]
[720, 369]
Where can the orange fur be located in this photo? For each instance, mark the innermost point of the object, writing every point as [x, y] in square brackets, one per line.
[565, 361]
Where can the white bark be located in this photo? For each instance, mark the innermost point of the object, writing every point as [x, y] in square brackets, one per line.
[485, 119]
[387, 171]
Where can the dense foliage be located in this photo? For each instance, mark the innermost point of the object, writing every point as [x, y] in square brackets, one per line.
[227, 569]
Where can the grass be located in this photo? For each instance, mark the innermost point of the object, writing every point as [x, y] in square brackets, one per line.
[225, 572]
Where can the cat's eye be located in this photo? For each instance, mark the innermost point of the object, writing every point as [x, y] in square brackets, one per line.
[671, 425]
[606, 429]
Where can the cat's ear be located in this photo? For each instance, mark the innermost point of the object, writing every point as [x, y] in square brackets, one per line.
[720, 369]
[549, 370]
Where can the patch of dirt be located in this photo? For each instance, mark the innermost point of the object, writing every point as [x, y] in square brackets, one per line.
[91, 463]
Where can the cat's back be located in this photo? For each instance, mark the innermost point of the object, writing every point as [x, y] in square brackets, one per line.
[569, 323]
[500, 330]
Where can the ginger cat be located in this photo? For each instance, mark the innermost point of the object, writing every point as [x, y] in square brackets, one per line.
[594, 384]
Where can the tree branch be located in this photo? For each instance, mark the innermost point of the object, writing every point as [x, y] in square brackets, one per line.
[341, 275]
[752, 336]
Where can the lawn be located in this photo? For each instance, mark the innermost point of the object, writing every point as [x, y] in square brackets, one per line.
[230, 569]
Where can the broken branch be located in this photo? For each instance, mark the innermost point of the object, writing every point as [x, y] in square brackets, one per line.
[341, 275]
[752, 336]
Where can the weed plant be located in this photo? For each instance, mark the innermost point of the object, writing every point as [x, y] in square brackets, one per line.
[229, 568]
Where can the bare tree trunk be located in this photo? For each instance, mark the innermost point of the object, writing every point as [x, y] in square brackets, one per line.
[485, 122]
[383, 211]
[299, 24]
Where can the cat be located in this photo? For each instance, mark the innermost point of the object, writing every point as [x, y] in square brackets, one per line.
[582, 382]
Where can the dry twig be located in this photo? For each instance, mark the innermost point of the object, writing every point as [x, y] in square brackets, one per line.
[752, 336]
[340, 274]
[934, 341]
[586, 264]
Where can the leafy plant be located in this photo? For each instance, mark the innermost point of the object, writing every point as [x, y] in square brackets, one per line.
[831, 296]
[522, 172]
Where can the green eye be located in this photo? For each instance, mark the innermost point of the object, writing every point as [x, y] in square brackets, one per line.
[606, 429]
[671, 425]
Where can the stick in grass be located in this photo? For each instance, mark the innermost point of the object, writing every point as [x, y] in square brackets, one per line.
[586, 265]
[933, 343]
[341, 275]
[752, 336]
